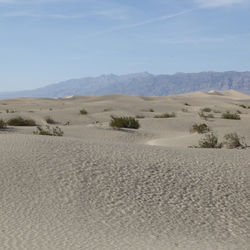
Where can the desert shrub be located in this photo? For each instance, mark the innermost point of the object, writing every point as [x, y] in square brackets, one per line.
[56, 131]
[83, 112]
[3, 124]
[206, 110]
[204, 116]
[139, 116]
[166, 115]
[229, 115]
[200, 128]
[124, 122]
[184, 110]
[107, 109]
[10, 111]
[187, 104]
[243, 106]
[210, 140]
[19, 121]
[49, 120]
[233, 140]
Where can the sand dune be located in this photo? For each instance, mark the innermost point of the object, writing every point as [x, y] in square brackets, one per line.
[98, 188]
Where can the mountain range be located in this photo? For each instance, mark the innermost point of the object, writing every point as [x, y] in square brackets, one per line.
[142, 84]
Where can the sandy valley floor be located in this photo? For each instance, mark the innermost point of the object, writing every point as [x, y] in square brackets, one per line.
[98, 188]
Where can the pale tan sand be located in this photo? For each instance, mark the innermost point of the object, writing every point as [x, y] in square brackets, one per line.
[97, 188]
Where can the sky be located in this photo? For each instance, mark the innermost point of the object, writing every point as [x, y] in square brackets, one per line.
[48, 41]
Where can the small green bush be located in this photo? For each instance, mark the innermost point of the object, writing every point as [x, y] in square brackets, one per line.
[107, 110]
[83, 112]
[200, 128]
[233, 140]
[210, 140]
[206, 110]
[165, 115]
[243, 106]
[49, 120]
[124, 122]
[49, 131]
[3, 124]
[229, 115]
[19, 121]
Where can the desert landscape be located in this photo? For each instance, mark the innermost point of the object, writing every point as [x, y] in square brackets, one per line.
[158, 187]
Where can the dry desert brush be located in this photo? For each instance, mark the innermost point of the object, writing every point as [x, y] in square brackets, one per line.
[50, 120]
[229, 115]
[200, 128]
[210, 140]
[55, 131]
[207, 109]
[205, 116]
[3, 124]
[19, 121]
[233, 140]
[83, 112]
[124, 122]
[166, 115]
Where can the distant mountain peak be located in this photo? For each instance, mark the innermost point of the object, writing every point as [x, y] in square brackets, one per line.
[142, 84]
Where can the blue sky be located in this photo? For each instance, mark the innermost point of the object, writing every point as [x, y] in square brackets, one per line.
[46, 41]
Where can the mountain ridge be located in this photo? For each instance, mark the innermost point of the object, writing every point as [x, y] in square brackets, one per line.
[143, 84]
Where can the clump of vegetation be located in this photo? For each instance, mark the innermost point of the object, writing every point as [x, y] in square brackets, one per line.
[166, 115]
[83, 112]
[204, 116]
[3, 124]
[49, 120]
[19, 121]
[233, 140]
[124, 122]
[206, 110]
[184, 110]
[200, 128]
[243, 106]
[107, 109]
[210, 140]
[229, 115]
[56, 131]
[187, 104]
[10, 111]
[139, 116]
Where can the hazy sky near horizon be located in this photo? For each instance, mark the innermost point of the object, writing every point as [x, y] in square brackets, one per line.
[46, 41]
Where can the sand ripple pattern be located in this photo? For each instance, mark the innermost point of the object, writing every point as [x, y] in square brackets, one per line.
[62, 193]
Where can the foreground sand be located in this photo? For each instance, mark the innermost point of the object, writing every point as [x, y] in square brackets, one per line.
[97, 188]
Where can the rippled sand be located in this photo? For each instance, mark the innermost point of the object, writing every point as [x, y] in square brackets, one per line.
[97, 188]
